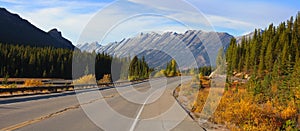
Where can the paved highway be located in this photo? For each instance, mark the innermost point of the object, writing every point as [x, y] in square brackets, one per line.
[144, 106]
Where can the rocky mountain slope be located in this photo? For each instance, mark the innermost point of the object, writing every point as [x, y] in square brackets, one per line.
[89, 47]
[15, 30]
[158, 49]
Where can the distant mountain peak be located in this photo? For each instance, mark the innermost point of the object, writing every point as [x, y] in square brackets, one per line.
[89, 47]
[193, 31]
[55, 33]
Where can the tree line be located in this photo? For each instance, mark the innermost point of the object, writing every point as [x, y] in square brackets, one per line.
[270, 99]
[272, 60]
[270, 55]
[47, 62]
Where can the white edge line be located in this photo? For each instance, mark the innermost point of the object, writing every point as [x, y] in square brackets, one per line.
[140, 111]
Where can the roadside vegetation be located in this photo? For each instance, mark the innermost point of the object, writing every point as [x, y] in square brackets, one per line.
[270, 98]
[87, 79]
[239, 109]
[106, 79]
[171, 70]
[6, 83]
[9, 86]
[33, 82]
[138, 69]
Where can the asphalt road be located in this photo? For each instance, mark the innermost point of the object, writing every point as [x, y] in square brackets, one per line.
[144, 106]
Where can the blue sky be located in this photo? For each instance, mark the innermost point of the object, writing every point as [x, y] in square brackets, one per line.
[109, 20]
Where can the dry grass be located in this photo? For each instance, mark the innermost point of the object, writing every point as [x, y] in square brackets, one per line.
[240, 110]
[87, 79]
[8, 86]
[28, 83]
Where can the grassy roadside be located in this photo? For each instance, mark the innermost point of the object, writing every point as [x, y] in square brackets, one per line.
[239, 109]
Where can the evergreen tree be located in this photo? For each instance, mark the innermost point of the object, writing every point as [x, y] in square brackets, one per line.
[138, 69]
[271, 58]
[37, 62]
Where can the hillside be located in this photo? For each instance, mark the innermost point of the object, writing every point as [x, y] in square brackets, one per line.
[15, 30]
[262, 90]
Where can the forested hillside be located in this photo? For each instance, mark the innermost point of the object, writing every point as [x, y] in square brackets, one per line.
[49, 62]
[270, 99]
[272, 58]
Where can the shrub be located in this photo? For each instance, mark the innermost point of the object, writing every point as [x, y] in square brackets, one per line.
[9, 86]
[106, 79]
[160, 73]
[33, 83]
[242, 110]
[87, 79]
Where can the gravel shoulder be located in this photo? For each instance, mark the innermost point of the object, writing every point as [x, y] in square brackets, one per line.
[186, 95]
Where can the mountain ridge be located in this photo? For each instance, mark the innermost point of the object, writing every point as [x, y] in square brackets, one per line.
[18, 31]
[156, 44]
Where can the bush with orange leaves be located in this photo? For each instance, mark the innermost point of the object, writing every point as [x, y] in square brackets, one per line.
[241, 110]
[106, 79]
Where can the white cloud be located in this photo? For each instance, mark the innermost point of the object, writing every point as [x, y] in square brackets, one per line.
[143, 24]
[258, 13]
[68, 17]
[219, 21]
[70, 24]
[144, 16]
[71, 17]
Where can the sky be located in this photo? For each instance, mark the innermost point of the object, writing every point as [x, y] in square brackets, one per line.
[109, 20]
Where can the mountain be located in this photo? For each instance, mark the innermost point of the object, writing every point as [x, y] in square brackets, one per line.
[15, 30]
[158, 49]
[89, 47]
[247, 36]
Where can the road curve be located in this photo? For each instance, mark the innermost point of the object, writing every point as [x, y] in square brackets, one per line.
[87, 110]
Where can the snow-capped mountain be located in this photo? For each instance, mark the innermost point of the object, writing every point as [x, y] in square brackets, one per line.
[158, 49]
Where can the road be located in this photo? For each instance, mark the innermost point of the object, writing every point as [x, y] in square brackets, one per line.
[144, 106]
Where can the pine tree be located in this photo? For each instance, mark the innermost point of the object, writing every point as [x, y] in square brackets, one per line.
[271, 58]
[138, 69]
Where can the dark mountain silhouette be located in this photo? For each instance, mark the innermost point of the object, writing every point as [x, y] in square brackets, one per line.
[15, 30]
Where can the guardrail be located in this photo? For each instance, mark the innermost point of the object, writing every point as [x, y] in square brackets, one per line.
[8, 92]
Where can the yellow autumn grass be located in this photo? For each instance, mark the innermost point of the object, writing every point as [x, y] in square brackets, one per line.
[87, 79]
[239, 110]
[33, 82]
